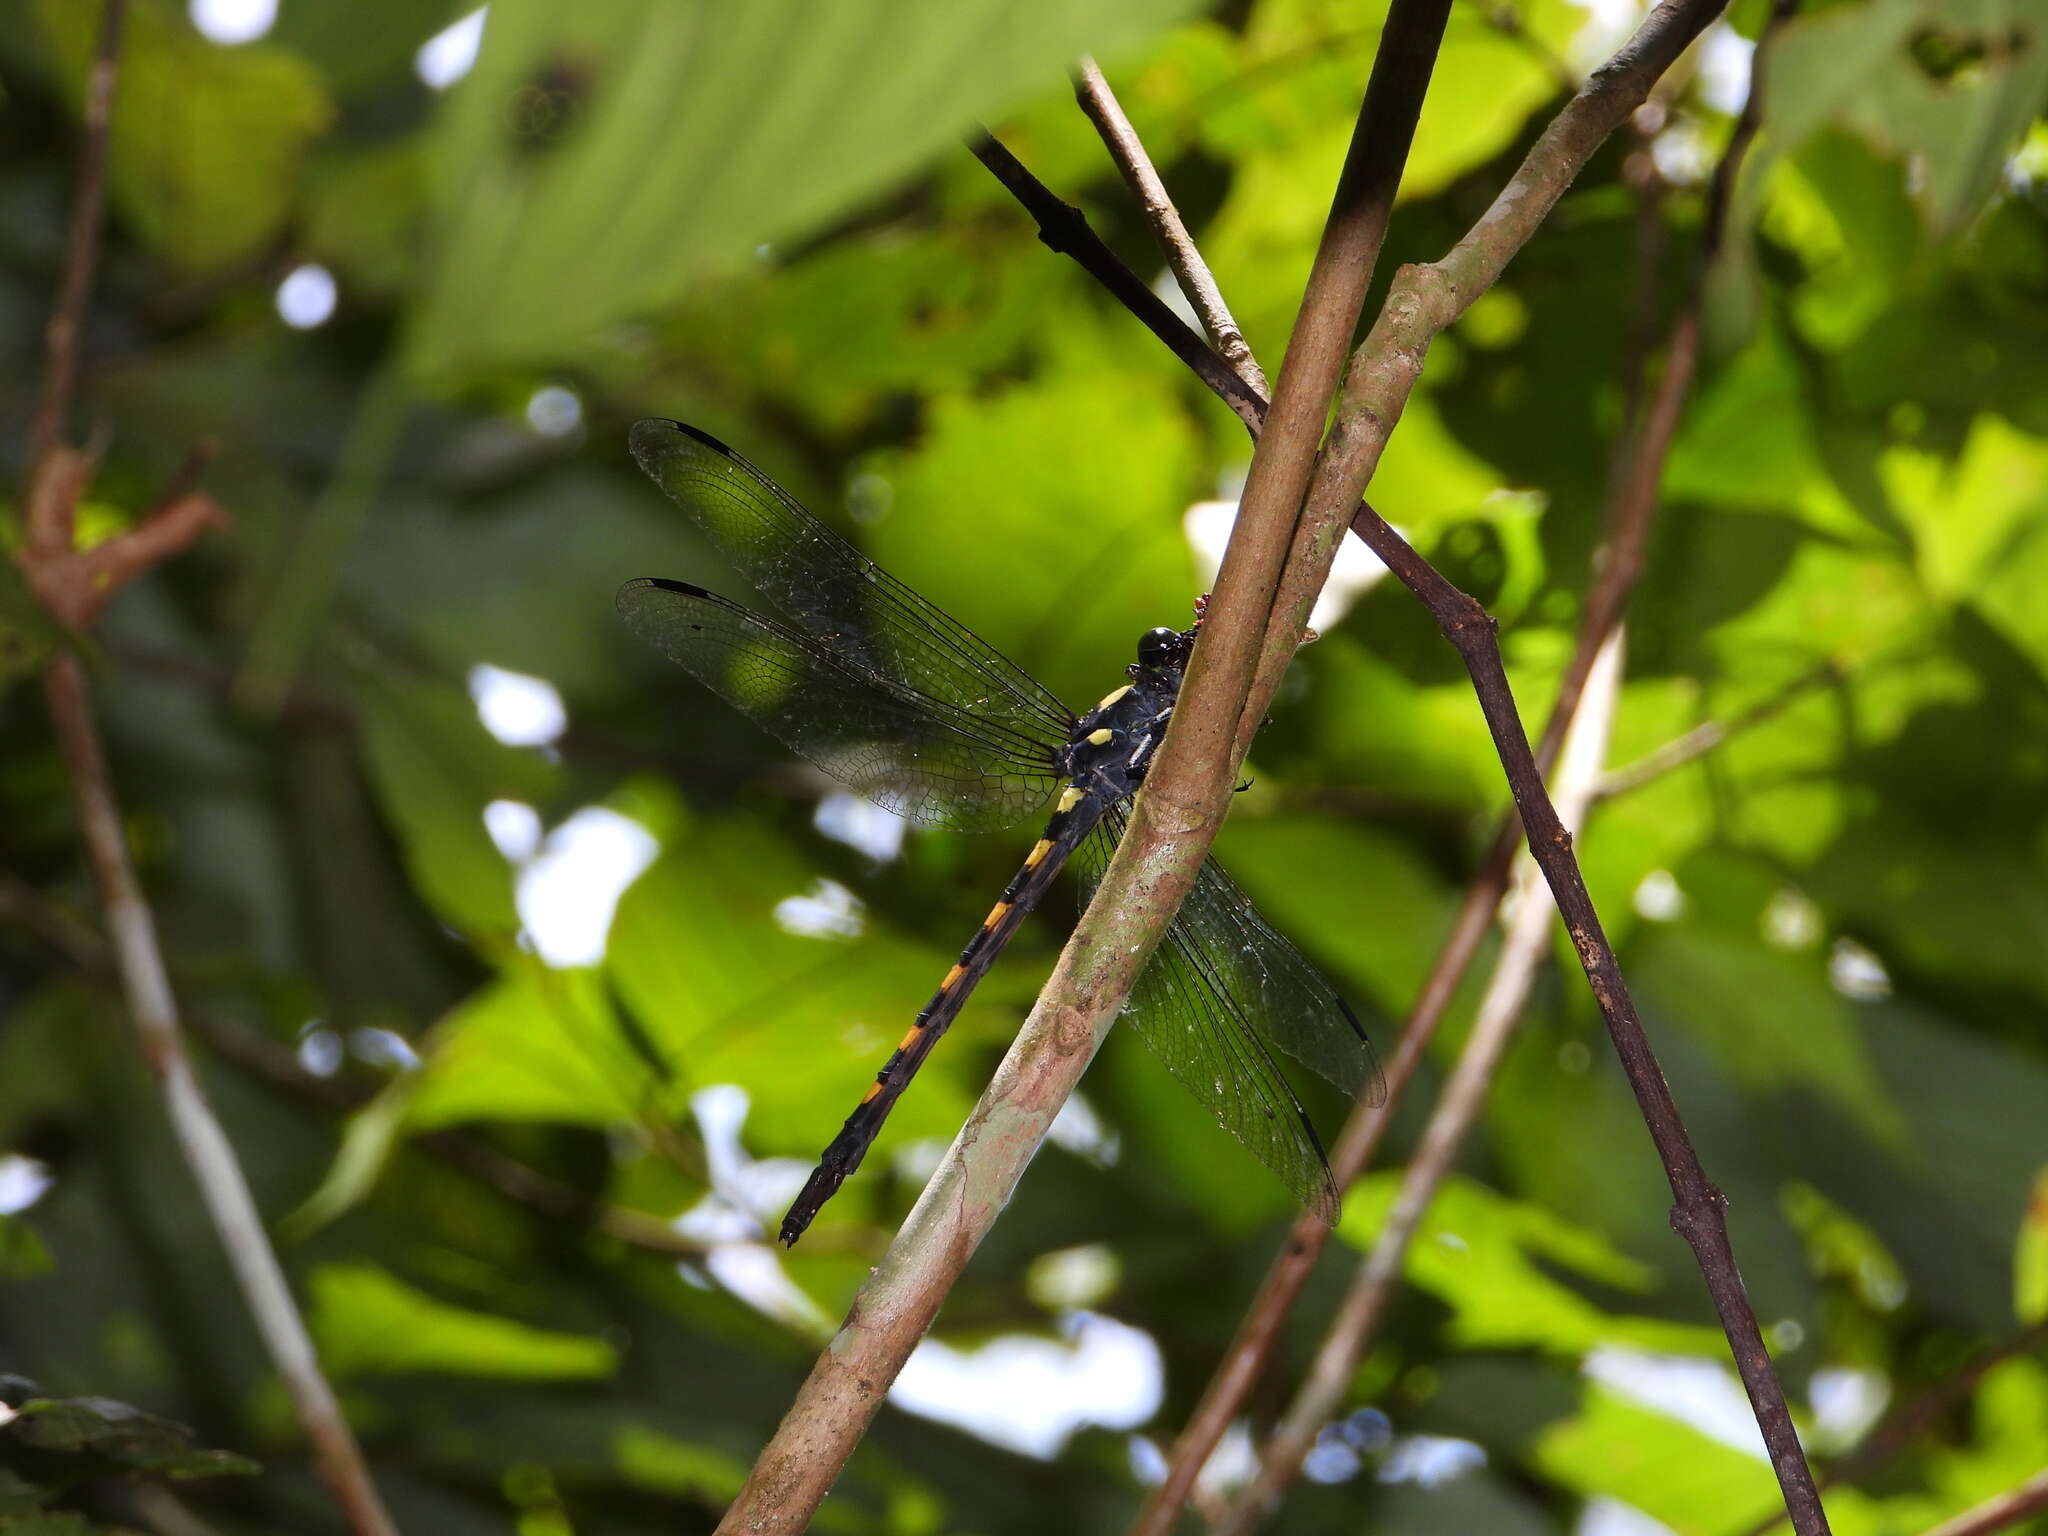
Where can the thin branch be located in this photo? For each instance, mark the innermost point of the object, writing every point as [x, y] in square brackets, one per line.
[207, 1149]
[1907, 1423]
[1064, 228]
[1197, 283]
[2008, 1509]
[1708, 735]
[1450, 1123]
[63, 335]
[1152, 870]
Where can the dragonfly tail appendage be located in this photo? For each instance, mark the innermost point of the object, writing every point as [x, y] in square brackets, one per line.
[838, 1161]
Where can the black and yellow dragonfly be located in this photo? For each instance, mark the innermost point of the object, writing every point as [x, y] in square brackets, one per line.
[885, 692]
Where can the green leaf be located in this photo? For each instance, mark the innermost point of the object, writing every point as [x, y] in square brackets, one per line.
[55, 1443]
[435, 768]
[1857, 64]
[1697, 1485]
[604, 159]
[1047, 495]
[675, 1467]
[207, 141]
[537, 1044]
[366, 1147]
[366, 215]
[369, 1323]
[1478, 1251]
[1310, 877]
[725, 993]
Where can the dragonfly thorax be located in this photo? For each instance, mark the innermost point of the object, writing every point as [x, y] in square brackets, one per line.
[1112, 745]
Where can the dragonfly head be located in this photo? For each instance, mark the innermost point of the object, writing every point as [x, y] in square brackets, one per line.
[1163, 649]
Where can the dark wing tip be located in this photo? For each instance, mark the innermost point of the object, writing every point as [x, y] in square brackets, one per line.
[629, 594]
[655, 437]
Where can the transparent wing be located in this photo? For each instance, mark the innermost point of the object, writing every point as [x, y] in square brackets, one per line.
[1280, 994]
[918, 756]
[825, 586]
[1193, 1010]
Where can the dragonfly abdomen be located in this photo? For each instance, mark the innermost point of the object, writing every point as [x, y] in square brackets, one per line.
[1074, 819]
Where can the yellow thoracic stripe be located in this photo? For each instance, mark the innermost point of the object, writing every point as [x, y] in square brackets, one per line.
[1069, 798]
[1110, 698]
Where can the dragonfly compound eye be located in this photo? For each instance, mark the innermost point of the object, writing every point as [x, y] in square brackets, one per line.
[1156, 647]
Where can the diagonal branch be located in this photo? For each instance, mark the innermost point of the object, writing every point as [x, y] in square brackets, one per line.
[2000, 1513]
[63, 334]
[205, 1144]
[1064, 228]
[1906, 1424]
[1197, 283]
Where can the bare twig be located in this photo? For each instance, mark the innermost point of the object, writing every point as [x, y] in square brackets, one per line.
[63, 335]
[1456, 1112]
[75, 584]
[2008, 1509]
[1708, 735]
[205, 1145]
[1907, 1423]
[1189, 270]
[1064, 228]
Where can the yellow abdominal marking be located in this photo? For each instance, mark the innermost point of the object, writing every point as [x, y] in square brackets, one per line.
[1032, 859]
[1111, 698]
[995, 914]
[1069, 798]
[1102, 737]
[873, 1089]
[951, 976]
[909, 1036]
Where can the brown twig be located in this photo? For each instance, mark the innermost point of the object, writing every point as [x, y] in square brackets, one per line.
[1906, 1424]
[1064, 228]
[2008, 1509]
[75, 585]
[1197, 283]
[63, 335]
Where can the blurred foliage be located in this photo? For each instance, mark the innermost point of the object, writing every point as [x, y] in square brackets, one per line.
[49, 1446]
[1836, 920]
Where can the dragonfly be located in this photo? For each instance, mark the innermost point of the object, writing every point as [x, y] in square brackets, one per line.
[881, 689]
